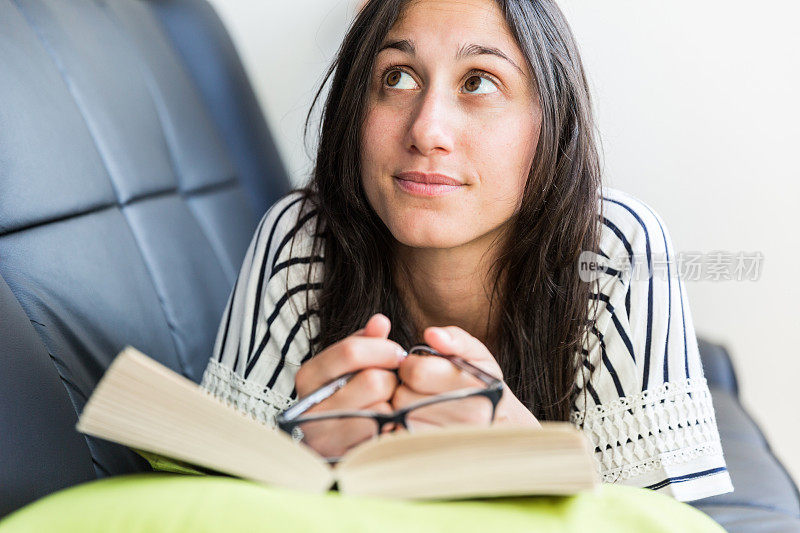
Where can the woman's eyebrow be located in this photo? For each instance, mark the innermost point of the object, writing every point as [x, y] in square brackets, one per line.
[469, 49]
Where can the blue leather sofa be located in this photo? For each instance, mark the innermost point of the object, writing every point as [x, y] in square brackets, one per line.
[134, 165]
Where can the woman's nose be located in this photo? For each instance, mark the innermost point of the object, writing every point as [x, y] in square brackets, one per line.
[431, 128]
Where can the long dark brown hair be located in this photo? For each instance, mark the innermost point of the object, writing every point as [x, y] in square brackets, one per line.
[544, 326]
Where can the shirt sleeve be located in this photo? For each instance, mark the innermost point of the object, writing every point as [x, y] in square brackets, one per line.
[267, 329]
[645, 404]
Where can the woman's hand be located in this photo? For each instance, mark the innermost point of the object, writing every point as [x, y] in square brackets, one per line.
[368, 351]
[423, 376]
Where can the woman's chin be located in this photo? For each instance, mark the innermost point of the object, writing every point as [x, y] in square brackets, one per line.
[427, 239]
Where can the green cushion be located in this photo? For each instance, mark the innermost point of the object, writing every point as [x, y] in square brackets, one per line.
[171, 502]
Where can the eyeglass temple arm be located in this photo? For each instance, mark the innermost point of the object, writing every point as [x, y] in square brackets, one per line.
[474, 370]
[318, 396]
[460, 362]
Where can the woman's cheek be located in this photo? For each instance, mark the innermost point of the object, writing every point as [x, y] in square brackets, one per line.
[382, 132]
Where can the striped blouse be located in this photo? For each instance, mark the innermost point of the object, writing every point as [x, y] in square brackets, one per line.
[646, 408]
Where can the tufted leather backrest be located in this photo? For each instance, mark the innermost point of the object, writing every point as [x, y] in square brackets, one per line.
[127, 195]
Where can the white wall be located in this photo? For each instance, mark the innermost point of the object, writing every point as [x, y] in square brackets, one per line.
[697, 104]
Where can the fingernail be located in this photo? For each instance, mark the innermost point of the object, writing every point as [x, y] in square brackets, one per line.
[444, 334]
[401, 353]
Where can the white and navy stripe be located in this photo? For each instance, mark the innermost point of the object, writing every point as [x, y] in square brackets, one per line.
[260, 337]
[643, 345]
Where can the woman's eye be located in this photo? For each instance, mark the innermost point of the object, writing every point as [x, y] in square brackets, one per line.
[394, 79]
[477, 84]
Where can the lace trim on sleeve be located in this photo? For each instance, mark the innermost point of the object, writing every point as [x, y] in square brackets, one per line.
[246, 396]
[671, 424]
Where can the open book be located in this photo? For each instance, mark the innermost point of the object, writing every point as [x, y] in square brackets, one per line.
[146, 406]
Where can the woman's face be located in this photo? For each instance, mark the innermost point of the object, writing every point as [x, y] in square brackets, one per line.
[441, 100]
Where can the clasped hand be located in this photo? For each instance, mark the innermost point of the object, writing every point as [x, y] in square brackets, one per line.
[376, 387]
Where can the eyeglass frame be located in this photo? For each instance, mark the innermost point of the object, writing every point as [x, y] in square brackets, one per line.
[291, 417]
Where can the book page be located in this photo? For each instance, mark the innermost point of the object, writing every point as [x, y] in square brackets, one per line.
[469, 461]
[143, 404]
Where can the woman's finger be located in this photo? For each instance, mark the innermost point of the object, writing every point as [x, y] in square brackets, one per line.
[351, 354]
[378, 325]
[426, 374]
[368, 387]
[455, 341]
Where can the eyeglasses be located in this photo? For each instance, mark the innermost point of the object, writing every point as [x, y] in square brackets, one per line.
[477, 404]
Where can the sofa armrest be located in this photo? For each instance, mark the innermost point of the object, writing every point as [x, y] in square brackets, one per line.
[717, 367]
[42, 452]
[765, 498]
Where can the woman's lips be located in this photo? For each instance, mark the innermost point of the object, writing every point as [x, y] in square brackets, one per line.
[417, 188]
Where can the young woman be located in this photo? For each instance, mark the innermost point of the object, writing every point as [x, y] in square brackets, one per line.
[456, 187]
